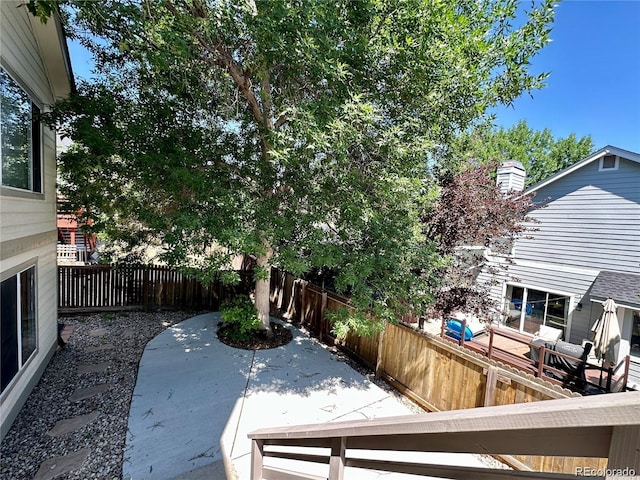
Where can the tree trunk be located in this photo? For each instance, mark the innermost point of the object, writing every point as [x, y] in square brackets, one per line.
[262, 294]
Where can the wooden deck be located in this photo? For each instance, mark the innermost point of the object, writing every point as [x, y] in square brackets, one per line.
[515, 344]
[514, 349]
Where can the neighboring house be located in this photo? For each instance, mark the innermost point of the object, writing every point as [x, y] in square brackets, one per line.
[586, 248]
[74, 246]
[34, 73]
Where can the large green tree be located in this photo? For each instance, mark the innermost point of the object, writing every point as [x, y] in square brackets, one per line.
[539, 151]
[294, 131]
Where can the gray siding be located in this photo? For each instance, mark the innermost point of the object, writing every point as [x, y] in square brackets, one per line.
[591, 220]
[634, 374]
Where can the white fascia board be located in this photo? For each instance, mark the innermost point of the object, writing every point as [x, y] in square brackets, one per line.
[608, 150]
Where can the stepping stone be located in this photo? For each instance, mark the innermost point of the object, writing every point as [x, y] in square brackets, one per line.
[93, 368]
[98, 332]
[84, 393]
[107, 346]
[50, 469]
[72, 424]
[66, 333]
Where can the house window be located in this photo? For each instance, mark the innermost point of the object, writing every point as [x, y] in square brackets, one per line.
[17, 324]
[527, 308]
[20, 137]
[608, 162]
[635, 335]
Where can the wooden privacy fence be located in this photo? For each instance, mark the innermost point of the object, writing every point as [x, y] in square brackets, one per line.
[95, 288]
[436, 374]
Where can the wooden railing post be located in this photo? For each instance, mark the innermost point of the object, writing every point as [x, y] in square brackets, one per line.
[625, 378]
[490, 351]
[624, 454]
[463, 332]
[541, 358]
[337, 460]
[257, 455]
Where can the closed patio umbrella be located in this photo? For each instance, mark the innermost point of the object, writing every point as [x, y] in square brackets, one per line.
[606, 334]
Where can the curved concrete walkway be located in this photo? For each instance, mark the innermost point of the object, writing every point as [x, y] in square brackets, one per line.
[196, 400]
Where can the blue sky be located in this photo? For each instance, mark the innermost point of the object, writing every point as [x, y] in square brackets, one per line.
[594, 86]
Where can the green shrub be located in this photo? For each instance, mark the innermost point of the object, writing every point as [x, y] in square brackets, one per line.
[240, 317]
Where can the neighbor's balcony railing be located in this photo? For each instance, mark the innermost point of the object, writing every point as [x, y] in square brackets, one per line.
[602, 426]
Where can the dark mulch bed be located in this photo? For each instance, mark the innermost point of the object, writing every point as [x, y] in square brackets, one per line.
[260, 341]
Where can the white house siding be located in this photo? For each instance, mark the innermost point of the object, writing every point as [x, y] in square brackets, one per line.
[28, 220]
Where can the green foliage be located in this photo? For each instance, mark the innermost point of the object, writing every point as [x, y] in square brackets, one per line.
[347, 320]
[296, 132]
[540, 152]
[241, 318]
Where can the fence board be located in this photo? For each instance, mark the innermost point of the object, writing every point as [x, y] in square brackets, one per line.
[102, 287]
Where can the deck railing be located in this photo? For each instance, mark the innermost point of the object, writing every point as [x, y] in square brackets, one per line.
[612, 379]
[601, 426]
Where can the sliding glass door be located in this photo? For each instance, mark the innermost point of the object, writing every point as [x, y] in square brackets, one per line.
[526, 309]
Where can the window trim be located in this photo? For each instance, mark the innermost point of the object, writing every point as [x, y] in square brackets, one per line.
[634, 353]
[6, 275]
[601, 167]
[570, 307]
[37, 140]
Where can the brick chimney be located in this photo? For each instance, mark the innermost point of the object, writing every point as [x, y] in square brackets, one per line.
[511, 176]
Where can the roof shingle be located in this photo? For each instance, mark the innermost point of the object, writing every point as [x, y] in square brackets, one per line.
[623, 288]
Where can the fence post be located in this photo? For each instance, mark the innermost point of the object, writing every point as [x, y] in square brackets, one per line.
[323, 309]
[303, 304]
[145, 289]
[379, 362]
[490, 389]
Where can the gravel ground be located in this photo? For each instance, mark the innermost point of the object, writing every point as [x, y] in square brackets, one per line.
[125, 335]
[27, 444]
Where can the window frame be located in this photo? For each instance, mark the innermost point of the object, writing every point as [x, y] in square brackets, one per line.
[507, 300]
[20, 333]
[616, 163]
[36, 160]
[634, 338]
